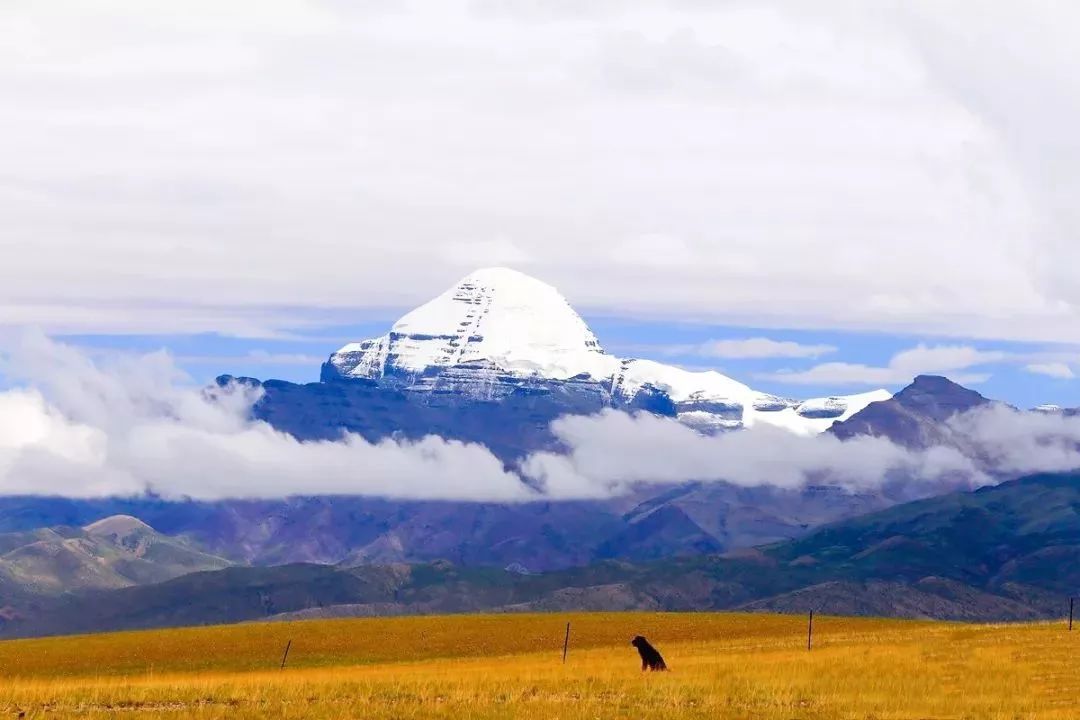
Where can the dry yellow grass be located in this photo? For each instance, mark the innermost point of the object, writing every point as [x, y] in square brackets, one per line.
[724, 666]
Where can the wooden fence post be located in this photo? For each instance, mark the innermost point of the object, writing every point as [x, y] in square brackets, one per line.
[810, 632]
[566, 643]
[286, 655]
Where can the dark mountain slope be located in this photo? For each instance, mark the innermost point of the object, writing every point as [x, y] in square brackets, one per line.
[914, 417]
[1027, 531]
[510, 427]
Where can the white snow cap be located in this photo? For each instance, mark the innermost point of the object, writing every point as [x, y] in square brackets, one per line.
[496, 315]
[804, 417]
[505, 319]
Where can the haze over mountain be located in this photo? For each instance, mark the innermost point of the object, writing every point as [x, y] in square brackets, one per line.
[1010, 552]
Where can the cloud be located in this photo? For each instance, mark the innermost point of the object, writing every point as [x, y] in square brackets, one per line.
[902, 368]
[774, 164]
[751, 348]
[83, 426]
[91, 427]
[609, 452]
[1010, 68]
[1013, 441]
[1052, 369]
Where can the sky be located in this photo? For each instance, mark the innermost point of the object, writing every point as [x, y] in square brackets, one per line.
[813, 197]
[790, 363]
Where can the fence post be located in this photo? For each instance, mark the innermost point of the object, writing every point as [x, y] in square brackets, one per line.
[566, 643]
[286, 655]
[810, 632]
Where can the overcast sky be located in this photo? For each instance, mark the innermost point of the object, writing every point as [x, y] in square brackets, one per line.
[903, 165]
[250, 168]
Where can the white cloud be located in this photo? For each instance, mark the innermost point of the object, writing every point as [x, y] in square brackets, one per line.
[131, 424]
[1052, 369]
[610, 452]
[122, 425]
[776, 163]
[752, 348]
[1019, 442]
[902, 368]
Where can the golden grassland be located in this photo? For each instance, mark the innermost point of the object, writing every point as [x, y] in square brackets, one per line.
[503, 666]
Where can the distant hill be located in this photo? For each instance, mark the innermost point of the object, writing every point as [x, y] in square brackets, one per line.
[114, 552]
[1008, 552]
[651, 523]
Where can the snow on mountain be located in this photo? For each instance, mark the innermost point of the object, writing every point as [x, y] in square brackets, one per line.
[495, 316]
[498, 329]
[711, 401]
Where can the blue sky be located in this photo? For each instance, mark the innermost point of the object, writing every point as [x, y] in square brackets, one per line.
[297, 356]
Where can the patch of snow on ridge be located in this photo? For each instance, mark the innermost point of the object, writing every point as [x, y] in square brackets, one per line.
[818, 414]
[710, 400]
[495, 315]
[680, 385]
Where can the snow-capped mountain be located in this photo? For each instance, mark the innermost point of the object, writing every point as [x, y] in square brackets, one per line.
[496, 318]
[499, 331]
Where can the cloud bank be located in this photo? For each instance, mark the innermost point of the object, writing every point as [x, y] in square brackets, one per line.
[610, 452]
[89, 428]
[83, 426]
[1017, 442]
[892, 166]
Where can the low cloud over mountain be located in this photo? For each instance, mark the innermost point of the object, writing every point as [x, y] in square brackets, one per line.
[86, 427]
[81, 426]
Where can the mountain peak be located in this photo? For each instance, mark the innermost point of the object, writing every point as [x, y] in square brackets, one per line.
[933, 382]
[938, 397]
[495, 316]
[915, 416]
[117, 525]
[498, 331]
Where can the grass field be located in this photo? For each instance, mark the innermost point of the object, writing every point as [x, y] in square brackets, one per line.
[502, 666]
